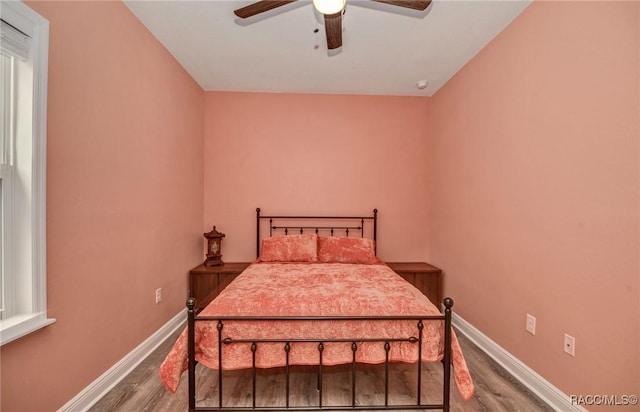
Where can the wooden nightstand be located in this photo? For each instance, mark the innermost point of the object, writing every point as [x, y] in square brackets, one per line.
[425, 277]
[206, 282]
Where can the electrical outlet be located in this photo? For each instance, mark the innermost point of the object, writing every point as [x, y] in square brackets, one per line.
[158, 295]
[570, 344]
[531, 324]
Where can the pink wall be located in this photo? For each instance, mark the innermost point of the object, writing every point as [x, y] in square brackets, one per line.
[534, 149]
[316, 154]
[124, 200]
[520, 178]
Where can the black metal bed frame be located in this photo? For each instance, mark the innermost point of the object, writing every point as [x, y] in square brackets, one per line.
[192, 318]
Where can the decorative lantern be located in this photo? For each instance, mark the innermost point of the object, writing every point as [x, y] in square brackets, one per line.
[214, 248]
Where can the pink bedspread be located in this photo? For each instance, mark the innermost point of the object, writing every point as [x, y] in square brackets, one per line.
[314, 289]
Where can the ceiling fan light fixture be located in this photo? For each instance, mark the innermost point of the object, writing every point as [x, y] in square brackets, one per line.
[329, 6]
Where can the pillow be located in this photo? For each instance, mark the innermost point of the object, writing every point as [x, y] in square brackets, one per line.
[290, 248]
[346, 250]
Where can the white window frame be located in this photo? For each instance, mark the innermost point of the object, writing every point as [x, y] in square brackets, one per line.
[31, 315]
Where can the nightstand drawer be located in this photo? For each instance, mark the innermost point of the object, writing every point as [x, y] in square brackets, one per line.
[425, 277]
[206, 282]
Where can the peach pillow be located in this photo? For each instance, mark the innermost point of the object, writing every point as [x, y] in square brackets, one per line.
[346, 250]
[290, 248]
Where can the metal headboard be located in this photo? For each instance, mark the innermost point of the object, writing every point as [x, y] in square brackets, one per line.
[347, 225]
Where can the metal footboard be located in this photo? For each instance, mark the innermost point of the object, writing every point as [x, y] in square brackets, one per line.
[320, 344]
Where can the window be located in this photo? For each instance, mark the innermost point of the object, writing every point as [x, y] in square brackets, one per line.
[24, 38]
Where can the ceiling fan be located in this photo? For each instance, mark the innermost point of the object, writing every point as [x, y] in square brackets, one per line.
[332, 11]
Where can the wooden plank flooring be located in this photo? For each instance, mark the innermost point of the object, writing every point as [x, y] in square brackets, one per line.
[495, 390]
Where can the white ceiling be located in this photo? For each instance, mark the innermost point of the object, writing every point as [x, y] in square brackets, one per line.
[386, 49]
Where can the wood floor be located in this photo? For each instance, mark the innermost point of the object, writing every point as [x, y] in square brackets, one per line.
[495, 390]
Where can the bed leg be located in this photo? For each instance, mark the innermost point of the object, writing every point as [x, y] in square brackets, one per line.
[320, 349]
[448, 303]
[191, 303]
[354, 348]
[287, 348]
[219, 327]
[387, 348]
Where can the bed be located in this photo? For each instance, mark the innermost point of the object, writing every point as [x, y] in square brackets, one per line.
[317, 295]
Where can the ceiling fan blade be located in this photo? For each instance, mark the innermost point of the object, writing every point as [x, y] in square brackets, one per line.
[333, 29]
[260, 7]
[408, 4]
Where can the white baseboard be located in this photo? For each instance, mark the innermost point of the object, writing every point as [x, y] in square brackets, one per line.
[98, 388]
[551, 395]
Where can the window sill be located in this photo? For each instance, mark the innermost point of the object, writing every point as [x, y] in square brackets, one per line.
[22, 325]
